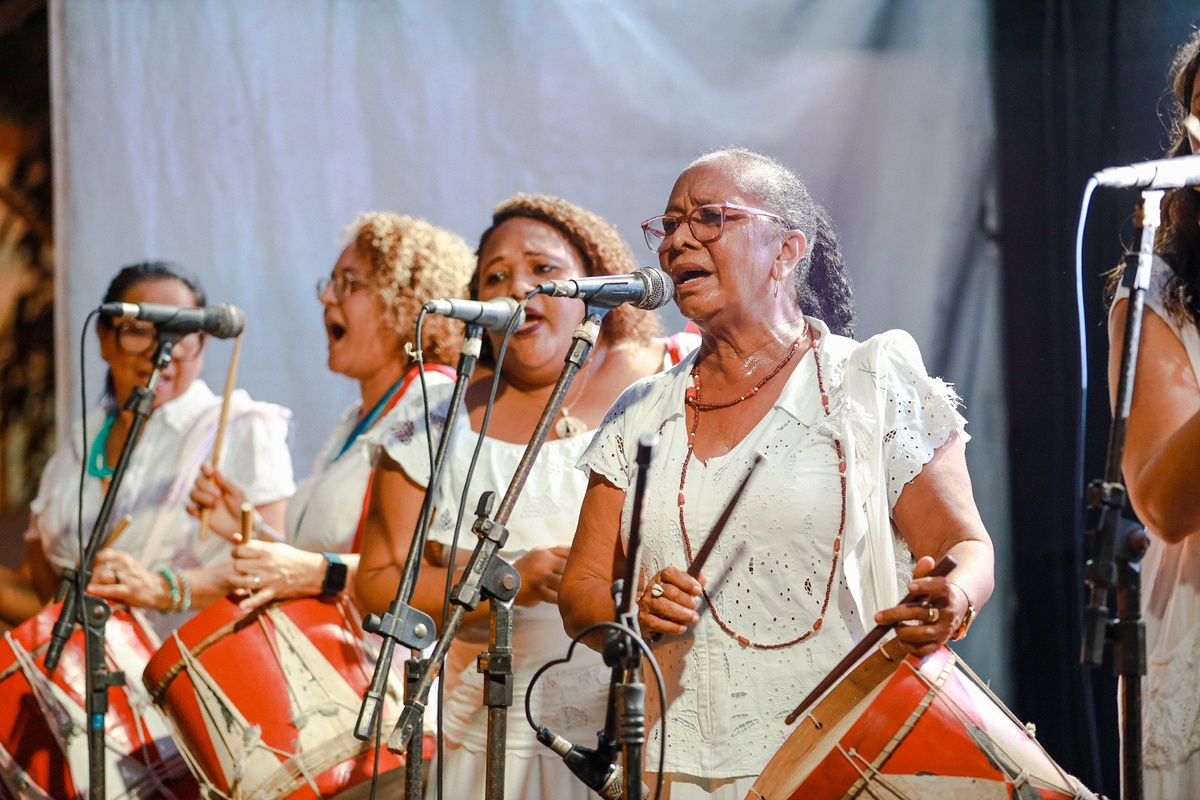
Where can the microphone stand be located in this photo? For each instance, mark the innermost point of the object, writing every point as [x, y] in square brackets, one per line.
[489, 575]
[401, 622]
[1118, 544]
[625, 726]
[92, 613]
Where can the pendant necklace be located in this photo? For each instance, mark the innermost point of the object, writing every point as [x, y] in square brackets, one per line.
[570, 425]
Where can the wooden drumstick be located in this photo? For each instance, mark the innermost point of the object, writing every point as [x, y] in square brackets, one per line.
[116, 531]
[709, 543]
[230, 380]
[247, 522]
[113, 533]
[940, 570]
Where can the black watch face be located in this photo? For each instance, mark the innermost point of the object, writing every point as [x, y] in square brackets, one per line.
[335, 578]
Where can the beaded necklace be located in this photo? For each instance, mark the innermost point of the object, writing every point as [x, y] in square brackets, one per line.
[692, 398]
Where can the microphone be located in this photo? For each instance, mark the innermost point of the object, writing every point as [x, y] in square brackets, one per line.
[223, 321]
[491, 314]
[595, 768]
[1165, 173]
[645, 288]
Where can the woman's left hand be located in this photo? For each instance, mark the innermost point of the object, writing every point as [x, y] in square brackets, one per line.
[267, 571]
[118, 576]
[924, 626]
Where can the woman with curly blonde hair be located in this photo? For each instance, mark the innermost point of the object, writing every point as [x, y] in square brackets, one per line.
[391, 266]
[532, 239]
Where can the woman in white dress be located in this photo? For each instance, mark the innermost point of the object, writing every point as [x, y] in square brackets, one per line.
[864, 464]
[532, 239]
[1162, 466]
[158, 562]
[390, 267]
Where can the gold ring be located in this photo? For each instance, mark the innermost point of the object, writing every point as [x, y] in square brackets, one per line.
[656, 590]
[932, 615]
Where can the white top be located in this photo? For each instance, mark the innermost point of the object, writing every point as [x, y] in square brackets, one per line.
[1171, 610]
[569, 699]
[323, 515]
[177, 439]
[774, 563]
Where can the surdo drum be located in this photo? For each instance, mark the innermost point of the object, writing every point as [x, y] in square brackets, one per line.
[901, 727]
[265, 702]
[43, 717]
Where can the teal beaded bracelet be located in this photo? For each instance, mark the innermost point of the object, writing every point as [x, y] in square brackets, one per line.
[168, 575]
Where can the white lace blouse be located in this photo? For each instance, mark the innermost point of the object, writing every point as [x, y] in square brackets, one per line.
[775, 572]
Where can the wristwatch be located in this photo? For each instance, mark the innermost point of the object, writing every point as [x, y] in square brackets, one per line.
[968, 617]
[335, 575]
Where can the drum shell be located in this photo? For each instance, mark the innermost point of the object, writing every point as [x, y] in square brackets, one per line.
[137, 747]
[922, 728]
[245, 655]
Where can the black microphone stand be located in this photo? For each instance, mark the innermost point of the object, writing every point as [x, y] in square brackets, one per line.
[488, 575]
[402, 623]
[625, 726]
[92, 613]
[1117, 543]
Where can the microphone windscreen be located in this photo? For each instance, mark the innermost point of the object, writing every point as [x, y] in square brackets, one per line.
[659, 289]
[230, 322]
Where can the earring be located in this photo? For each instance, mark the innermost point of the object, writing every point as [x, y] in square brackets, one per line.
[775, 289]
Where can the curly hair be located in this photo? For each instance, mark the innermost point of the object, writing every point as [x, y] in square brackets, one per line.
[600, 247]
[413, 262]
[1177, 240]
[1178, 237]
[821, 287]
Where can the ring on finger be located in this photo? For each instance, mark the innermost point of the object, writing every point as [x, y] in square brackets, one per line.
[931, 616]
[656, 590]
[258, 580]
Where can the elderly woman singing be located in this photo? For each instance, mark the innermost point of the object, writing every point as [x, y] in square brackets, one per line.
[864, 471]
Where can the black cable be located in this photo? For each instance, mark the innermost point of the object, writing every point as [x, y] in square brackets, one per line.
[659, 681]
[83, 412]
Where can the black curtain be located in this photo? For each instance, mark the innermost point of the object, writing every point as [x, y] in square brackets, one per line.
[1078, 86]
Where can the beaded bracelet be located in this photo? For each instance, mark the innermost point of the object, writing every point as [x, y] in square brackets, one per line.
[185, 587]
[168, 575]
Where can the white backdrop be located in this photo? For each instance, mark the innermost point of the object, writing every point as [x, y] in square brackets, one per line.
[239, 137]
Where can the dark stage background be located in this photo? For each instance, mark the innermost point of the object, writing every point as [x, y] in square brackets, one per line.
[1078, 86]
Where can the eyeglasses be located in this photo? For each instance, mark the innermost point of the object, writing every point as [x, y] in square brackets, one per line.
[707, 223]
[343, 285]
[140, 340]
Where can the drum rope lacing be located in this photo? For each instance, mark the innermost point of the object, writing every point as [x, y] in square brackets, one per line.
[293, 768]
[692, 398]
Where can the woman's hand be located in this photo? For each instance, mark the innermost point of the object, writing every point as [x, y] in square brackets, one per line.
[669, 602]
[541, 572]
[118, 576]
[267, 571]
[223, 499]
[925, 626]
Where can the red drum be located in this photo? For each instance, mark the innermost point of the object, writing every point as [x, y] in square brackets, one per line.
[43, 717]
[908, 727]
[265, 703]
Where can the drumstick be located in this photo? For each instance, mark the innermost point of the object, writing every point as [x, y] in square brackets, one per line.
[230, 380]
[116, 531]
[247, 522]
[709, 543]
[941, 570]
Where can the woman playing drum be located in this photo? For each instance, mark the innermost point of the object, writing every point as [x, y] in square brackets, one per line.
[864, 465]
[390, 267]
